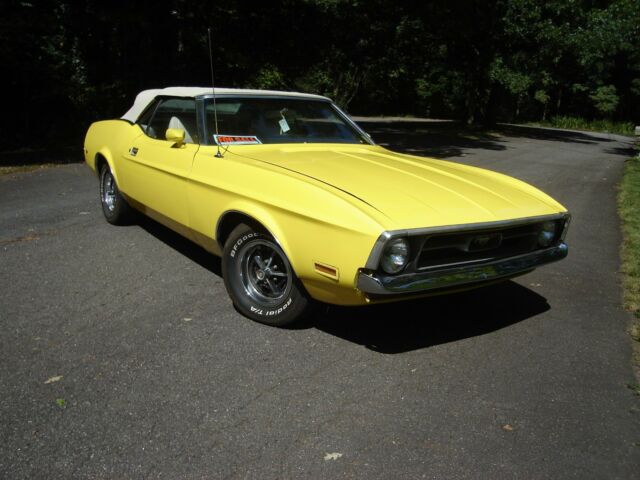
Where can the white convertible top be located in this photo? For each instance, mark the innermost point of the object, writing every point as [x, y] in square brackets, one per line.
[145, 97]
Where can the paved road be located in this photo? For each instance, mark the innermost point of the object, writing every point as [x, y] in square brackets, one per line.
[161, 378]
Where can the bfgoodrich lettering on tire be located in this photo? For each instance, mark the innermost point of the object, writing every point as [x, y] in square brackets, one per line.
[260, 280]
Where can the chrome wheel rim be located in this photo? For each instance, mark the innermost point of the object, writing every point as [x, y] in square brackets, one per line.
[265, 272]
[108, 191]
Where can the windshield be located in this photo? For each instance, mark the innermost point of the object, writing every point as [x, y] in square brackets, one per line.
[246, 121]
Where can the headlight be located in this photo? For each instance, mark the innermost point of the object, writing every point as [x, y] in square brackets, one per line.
[395, 255]
[547, 234]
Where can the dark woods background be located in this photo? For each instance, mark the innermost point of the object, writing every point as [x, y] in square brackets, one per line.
[69, 63]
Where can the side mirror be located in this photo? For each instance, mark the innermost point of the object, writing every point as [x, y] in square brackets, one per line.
[175, 135]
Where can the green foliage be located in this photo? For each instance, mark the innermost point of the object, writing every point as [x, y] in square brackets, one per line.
[541, 96]
[269, 77]
[629, 207]
[515, 81]
[605, 99]
[468, 59]
[579, 123]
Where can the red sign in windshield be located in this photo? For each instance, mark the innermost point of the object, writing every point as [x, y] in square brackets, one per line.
[236, 139]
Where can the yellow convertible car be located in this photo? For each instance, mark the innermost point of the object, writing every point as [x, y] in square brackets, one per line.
[302, 205]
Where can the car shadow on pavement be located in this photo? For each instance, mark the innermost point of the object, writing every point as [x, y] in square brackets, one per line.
[411, 325]
[402, 326]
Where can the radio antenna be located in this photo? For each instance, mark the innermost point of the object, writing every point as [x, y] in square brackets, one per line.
[213, 89]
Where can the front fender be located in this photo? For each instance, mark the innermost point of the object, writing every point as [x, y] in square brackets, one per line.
[309, 241]
[265, 217]
[314, 223]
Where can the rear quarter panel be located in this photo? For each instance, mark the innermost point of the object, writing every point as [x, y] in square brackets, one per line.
[109, 139]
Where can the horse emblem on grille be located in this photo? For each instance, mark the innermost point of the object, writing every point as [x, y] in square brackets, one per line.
[484, 242]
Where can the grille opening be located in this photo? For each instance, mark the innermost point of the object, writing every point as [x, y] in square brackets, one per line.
[441, 251]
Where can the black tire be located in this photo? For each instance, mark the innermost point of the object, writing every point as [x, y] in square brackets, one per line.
[115, 208]
[260, 279]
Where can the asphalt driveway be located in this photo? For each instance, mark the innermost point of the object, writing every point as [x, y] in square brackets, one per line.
[121, 355]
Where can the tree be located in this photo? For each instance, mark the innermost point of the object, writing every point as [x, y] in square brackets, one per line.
[605, 99]
[470, 60]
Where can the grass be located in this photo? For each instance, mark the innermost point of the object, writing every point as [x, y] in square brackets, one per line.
[629, 204]
[576, 123]
[629, 207]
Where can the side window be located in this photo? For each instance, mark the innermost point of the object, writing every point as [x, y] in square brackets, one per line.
[174, 113]
[143, 120]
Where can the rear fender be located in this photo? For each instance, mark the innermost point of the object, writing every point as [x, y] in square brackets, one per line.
[105, 153]
[109, 139]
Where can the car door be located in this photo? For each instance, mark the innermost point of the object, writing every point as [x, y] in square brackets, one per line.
[156, 170]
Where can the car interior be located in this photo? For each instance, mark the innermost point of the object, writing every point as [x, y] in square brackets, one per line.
[174, 113]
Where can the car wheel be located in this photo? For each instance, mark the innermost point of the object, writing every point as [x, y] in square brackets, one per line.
[115, 208]
[260, 279]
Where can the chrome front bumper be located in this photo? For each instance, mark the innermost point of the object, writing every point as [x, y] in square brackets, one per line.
[379, 284]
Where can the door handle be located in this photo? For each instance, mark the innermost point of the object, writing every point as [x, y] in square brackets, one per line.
[133, 151]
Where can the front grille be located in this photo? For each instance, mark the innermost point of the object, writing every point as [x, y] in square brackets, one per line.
[445, 250]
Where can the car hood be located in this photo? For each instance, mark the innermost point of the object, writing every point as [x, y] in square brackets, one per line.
[413, 191]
